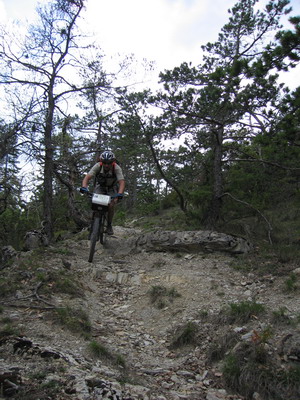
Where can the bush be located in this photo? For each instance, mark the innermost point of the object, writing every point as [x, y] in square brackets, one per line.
[252, 369]
[185, 335]
[241, 312]
[75, 320]
[160, 294]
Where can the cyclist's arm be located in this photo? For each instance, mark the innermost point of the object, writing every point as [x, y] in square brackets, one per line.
[120, 178]
[93, 172]
[121, 183]
[86, 179]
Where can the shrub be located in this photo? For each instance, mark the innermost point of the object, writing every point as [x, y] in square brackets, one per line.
[160, 294]
[290, 285]
[185, 335]
[251, 369]
[243, 311]
[98, 350]
[280, 316]
[75, 320]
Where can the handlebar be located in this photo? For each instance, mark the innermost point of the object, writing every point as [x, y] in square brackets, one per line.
[90, 194]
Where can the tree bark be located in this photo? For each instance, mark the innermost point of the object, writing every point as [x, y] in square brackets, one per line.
[214, 211]
[48, 166]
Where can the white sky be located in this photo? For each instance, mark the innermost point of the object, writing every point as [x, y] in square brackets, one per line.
[165, 31]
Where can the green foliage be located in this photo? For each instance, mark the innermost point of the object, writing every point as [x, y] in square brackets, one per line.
[280, 317]
[291, 283]
[231, 371]
[219, 347]
[206, 106]
[14, 223]
[9, 330]
[243, 311]
[185, 335]
[61, 212]
[251, 369]
[200, 196]
[8, 286]
[290, 377]
[151, 208]
[161, 296]
[98, 350]
[76, 321]
[120, 217]
[67, 286]
[169, 200]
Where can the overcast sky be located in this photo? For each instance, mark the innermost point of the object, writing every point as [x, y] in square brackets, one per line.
[165, 31]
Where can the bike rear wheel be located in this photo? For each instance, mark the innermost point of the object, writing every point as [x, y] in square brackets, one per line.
[94, 237]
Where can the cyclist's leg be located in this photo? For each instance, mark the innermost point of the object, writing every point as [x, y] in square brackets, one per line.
[111, 210]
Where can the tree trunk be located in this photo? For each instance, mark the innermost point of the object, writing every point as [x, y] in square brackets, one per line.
[48, 168]
[214, 211]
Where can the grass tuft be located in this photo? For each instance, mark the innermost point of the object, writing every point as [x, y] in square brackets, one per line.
[291, 283]
[75, 320]
[250, 368]
[243, 311]
[185, 335]
[98, 350]
[161, 296]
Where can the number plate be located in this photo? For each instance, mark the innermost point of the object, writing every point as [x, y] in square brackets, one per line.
[101, 199]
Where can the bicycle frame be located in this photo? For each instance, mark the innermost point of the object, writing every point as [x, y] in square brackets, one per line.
[99, 204]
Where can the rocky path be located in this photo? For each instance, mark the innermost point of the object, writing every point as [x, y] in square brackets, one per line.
[139, 304]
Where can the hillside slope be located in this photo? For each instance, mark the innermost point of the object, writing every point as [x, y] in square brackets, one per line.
[150, 325]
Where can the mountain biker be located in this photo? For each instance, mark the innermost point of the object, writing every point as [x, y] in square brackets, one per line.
[109, 180]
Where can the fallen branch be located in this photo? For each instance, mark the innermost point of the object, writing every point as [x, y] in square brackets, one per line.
[255, 209]
[27, 306]
[37, 296]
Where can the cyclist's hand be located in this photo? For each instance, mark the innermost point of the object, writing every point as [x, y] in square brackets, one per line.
[119, 196]
[83, 190]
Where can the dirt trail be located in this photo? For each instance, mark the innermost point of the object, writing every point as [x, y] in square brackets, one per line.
[140, 328]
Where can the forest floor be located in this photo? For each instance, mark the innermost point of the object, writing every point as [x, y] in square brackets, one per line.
[150, 325]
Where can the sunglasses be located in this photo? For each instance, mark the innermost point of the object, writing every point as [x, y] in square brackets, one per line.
[107, 162]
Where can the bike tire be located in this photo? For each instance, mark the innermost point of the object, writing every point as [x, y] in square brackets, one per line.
[94, 238]
[102, 229]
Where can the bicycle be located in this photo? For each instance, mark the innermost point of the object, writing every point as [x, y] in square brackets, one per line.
[100, 204]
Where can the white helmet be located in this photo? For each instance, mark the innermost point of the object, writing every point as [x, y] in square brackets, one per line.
[107, 156]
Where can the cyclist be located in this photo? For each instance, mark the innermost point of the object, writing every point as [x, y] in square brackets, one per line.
[109, 180]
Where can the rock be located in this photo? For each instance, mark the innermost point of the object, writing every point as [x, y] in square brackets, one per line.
[290, 347]
[191, 241]
[35, 239]
[297, 272]
[10, 381]
[183, 241]
[7, 253]
[213, 394]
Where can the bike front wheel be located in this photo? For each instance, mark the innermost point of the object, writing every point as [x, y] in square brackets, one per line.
[102, 229]
[94, 237]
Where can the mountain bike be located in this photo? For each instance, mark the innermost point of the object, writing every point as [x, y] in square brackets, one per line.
[100, 204]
